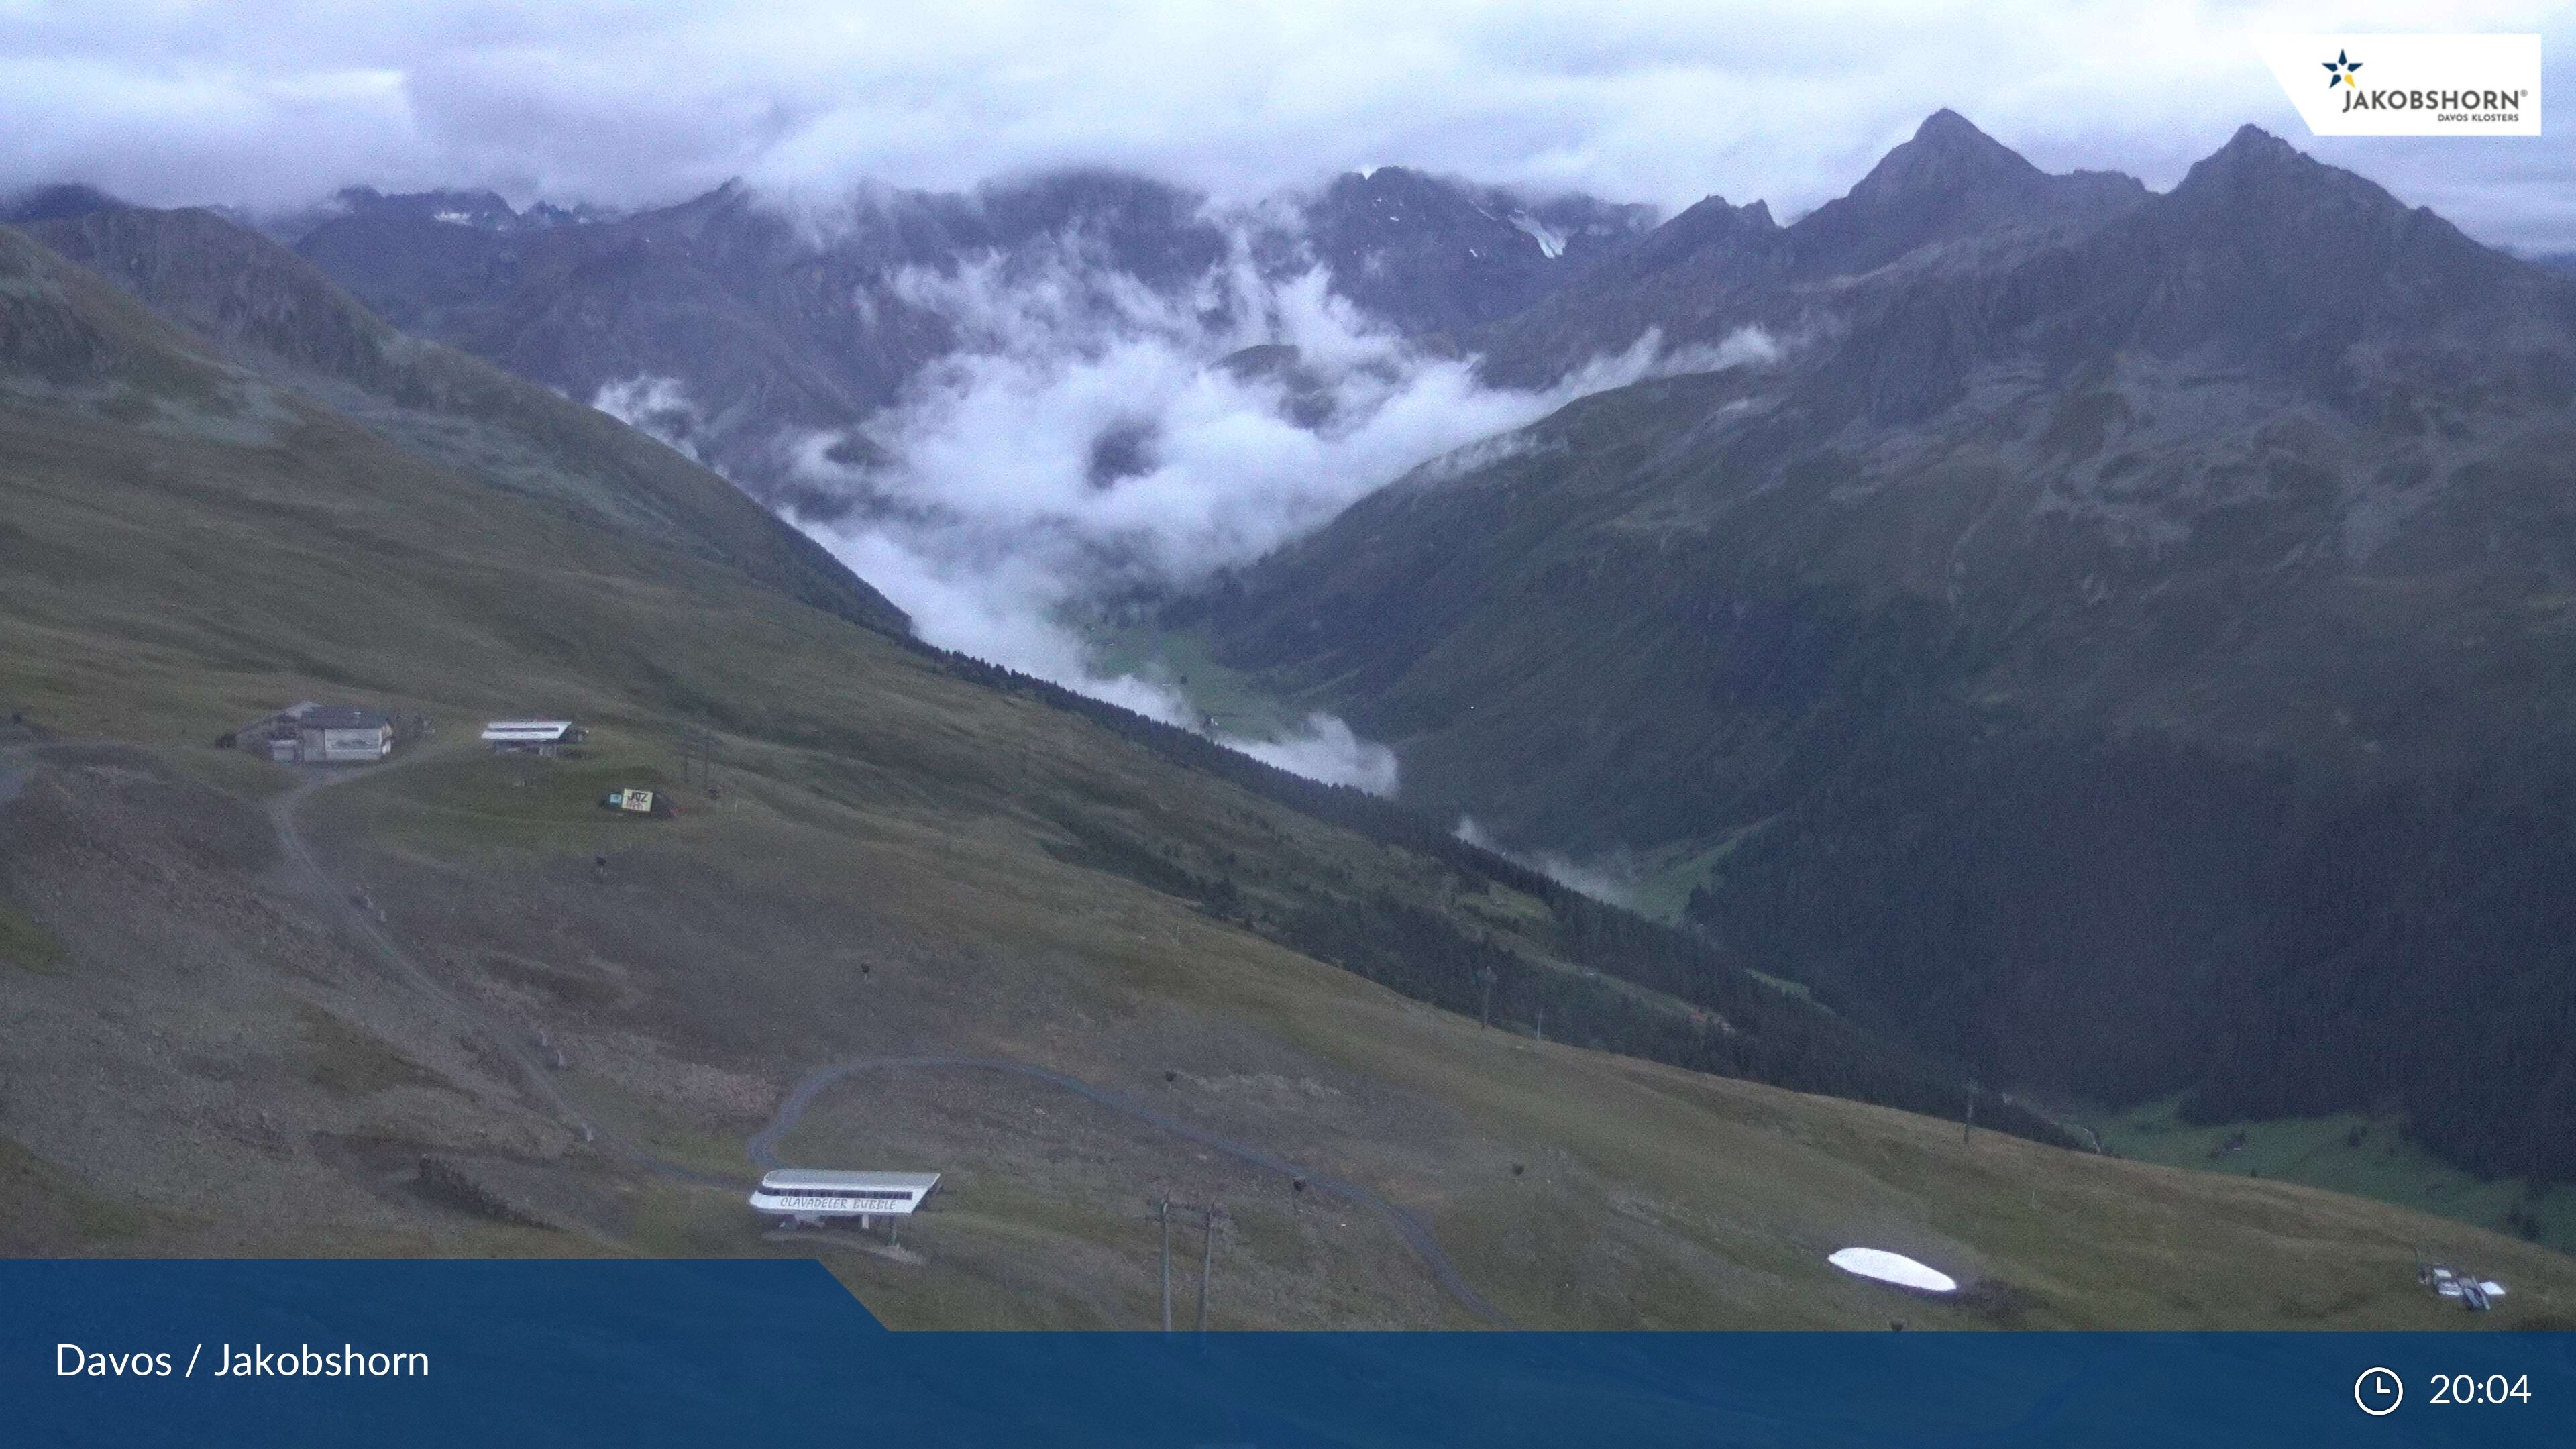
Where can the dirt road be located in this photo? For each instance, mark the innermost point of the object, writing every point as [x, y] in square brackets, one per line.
[763, 1150]
[354, 910]
[762, 1146]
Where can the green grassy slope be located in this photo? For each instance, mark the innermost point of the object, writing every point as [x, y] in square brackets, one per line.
[2367, 1155]
[256, 303]
[203, 1057]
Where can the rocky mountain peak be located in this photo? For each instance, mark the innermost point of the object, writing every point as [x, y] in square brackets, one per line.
[1947, 155]
[2254, 143]
[2253, 159]
[1709, 228]
[1950, 181]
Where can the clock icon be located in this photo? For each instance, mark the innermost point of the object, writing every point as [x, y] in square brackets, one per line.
[2379, 1392]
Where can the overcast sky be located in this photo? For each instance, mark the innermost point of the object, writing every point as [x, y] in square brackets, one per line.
[276, 103]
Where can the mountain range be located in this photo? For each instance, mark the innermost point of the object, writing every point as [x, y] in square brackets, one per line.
[783, 322]
[2083, 568]
[449, 1005]
[2124, 637]
[2110, 643]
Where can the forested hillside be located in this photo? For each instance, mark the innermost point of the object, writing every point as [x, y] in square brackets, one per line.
[2121, 640]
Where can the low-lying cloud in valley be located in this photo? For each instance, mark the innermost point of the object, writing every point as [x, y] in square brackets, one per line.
[1095, 442]
[1614, 878]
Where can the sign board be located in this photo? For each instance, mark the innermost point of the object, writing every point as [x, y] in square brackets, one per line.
[2410, 85]
[639, 801]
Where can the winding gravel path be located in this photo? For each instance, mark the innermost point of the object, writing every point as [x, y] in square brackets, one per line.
[541, 1081]
[763, 1150]
[762, 1146]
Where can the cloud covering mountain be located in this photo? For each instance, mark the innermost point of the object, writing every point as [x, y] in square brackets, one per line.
[1093, 438]
[1660, 102]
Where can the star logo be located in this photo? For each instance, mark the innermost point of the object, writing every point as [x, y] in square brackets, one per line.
[2339, 72]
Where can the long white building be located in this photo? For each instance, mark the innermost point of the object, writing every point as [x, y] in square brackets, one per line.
[531, 736]
[812, 1197]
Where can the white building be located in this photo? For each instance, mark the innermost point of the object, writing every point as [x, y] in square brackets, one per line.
[531, 736]
[319, 734]
[805, 1195]
[339, 735]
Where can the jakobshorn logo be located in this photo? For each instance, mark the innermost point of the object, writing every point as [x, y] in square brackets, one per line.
[2418, 85]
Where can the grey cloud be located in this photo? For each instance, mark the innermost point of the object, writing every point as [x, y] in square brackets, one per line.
[1661, 101]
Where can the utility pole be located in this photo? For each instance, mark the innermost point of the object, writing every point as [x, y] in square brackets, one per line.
[1485, 1007]
[1968, 1126]
[1207, 1258]
[1208, 1213]
[698, 743]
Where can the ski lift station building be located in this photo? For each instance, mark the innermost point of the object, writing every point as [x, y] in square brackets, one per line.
[319, 734]
[531, 736]
[805, 1195]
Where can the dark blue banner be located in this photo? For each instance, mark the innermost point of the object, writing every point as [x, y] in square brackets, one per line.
[765, 1354]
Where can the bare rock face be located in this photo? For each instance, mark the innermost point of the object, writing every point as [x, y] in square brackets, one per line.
[1438, 258]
